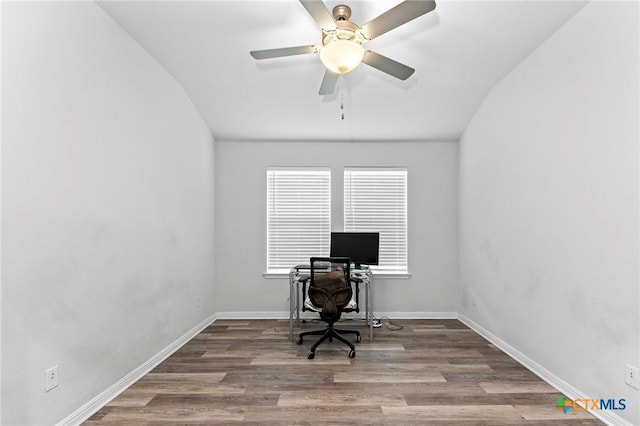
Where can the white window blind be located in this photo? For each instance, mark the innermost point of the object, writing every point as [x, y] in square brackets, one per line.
[298, 216]
[375, 200]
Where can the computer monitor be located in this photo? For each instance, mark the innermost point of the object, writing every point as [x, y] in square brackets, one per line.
[361, 247]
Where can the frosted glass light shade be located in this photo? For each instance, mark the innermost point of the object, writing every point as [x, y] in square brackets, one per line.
[342, 56]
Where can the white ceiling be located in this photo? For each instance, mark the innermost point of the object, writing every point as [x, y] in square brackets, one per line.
[460, 51]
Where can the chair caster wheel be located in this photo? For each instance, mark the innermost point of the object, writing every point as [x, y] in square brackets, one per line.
[311, 355]
[358, 339]
[299, 340]
[352, 353]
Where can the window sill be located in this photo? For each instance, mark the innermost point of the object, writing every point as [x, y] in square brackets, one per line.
[389, 274]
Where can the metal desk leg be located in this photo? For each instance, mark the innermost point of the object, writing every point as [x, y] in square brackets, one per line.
[293, 302]
[297, 290]
[369, 309]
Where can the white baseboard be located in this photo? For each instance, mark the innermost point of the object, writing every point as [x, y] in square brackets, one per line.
[416, 315]
[253, 315]
[553, 380]
[91, 407]
[391, 315]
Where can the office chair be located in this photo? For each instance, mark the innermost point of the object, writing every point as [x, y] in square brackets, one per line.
[330, 291]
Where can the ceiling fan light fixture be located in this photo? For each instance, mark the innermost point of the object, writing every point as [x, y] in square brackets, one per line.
[341, 56]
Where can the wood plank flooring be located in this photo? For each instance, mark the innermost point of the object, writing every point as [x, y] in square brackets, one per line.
[431, 372]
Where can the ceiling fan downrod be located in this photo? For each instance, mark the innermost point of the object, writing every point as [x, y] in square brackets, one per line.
[341, 12]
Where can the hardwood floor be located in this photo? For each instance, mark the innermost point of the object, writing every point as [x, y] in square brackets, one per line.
[432, 372]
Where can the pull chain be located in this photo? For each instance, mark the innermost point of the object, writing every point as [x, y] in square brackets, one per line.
[342, 105]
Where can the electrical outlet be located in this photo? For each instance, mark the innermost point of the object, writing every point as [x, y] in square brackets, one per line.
[51, 377]
[631, 377]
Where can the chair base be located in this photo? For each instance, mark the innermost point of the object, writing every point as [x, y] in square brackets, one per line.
[329, 333]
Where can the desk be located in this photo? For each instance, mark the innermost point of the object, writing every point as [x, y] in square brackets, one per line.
[295, 292]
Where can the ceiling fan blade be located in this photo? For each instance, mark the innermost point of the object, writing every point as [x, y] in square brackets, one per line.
[320, 14]
[328, 82]
[389, 66]
[396, 16]
[284, 51]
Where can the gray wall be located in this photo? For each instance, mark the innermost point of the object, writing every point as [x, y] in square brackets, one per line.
[107, 208]
[549, 205]
[241, 221]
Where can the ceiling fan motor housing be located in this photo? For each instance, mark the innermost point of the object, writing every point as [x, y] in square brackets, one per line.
[345, 30]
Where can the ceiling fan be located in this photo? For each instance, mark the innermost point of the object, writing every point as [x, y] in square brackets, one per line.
[341, 50]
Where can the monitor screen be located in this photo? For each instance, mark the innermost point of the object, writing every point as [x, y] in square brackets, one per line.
[361, 247]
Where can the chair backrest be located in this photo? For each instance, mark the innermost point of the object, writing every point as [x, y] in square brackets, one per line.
[330, 285]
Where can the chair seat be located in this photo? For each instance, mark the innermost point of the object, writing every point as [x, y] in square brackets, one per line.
[351, 306]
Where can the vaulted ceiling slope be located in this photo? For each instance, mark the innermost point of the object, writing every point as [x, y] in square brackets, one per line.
[460, 51]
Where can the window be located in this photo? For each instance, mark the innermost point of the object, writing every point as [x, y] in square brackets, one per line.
[298, 216]
[376, 200]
